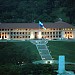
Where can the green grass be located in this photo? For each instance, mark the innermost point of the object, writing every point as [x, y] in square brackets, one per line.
[12, 52]
[62, 48]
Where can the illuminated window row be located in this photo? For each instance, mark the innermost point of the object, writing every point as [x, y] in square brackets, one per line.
[20, 33]
[47, 33]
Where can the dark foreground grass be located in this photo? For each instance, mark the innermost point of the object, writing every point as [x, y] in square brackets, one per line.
[14, 52]
[62, 48]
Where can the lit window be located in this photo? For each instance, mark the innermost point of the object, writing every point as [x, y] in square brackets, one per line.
[71, 29]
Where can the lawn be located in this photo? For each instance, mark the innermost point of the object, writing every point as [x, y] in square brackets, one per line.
[66, 48]
[13, 52]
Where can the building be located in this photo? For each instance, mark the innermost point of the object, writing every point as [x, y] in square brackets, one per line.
[26, 31]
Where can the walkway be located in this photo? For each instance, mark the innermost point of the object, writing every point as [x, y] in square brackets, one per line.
[42, 49]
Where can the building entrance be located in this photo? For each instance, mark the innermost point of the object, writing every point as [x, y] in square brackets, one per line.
[36, 35]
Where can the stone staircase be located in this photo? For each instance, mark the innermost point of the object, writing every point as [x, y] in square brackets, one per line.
[42, 49]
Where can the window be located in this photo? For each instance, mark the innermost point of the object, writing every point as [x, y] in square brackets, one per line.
[2, 29]
[50, 32]
[29, 33]
[26, 32]
[14, 37]
[59, 35]
[23, 32]
[56, 36]
[8, 32]
[53, 36]
[5, 37]
[53, 29]
[20, 32]
[17, 36]
[53, 32]
[26, 36]
[59, 32]
[59, 29]
[42, 33]
[17, 32]
[5, 29]
[48, 36]
[11, 32]
[11, 29]
[56, 33]
[65, 32]
[70, 32]
[26, 29]
[11, 36]
[14, 32]
[47, 32]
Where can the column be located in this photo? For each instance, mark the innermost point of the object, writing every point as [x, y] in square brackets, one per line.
[39, 35]
[32, 35]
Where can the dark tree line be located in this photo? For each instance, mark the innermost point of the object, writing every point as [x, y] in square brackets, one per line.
[35, 10]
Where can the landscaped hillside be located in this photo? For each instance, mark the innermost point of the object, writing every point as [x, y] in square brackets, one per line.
[13, 52]
[25, 52]
[66, 48]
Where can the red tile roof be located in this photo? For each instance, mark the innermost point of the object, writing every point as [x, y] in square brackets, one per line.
[58, 24]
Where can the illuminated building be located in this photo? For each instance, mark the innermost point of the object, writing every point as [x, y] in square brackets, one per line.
[26, 31]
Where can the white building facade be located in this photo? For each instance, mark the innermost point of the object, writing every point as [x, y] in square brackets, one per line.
[26, 31]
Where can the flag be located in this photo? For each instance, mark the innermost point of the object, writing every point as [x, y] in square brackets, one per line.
[41, 25]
